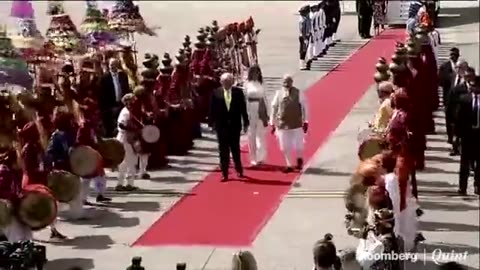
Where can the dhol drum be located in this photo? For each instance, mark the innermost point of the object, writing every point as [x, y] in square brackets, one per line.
[84, 160]
[112, 152]
[371, 143]
[37, 207]
[150, 134]
[6, 213]
[65, 186]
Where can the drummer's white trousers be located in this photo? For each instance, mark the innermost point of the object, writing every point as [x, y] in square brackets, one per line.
[142, 163]
[127, 167]
[16, 231]
[291, 143]
[100, 183]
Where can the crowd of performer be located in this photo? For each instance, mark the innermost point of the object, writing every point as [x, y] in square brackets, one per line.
[382, 200]
[100, 111]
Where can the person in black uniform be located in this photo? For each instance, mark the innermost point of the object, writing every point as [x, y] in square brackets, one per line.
[447, 75]
[468, 128]
[228, 111]
[364, 13]
[336, 14]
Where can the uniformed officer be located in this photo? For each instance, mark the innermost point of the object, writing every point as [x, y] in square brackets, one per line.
[304, 37]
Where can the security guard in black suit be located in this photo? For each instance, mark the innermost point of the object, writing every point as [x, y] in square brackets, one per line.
[364, 13]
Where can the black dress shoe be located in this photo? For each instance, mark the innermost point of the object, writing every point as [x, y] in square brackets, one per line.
[240, 175]
[419, 212]
[299, 164]
[101, 198]
[87, 203]
[145, 176]
[288, 170]
[224, 179]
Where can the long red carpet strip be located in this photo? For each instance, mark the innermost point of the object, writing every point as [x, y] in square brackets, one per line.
[233, 213]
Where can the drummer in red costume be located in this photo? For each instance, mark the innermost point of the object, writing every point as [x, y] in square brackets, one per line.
[179, 94]
[87, 135]
[431, 72]
[34, 171]
[142, 113]
[10, 189]
[421, 114]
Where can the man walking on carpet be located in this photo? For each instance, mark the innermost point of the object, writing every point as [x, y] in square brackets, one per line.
[289, 122]
[228, 109]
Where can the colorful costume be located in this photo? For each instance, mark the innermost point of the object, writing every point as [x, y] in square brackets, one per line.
[10, 189]
[87, 136]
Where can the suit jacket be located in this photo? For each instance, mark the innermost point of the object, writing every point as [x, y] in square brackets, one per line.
[106, 96]
[224, 120]
[446, 75]
[454, 97]
[464, 120]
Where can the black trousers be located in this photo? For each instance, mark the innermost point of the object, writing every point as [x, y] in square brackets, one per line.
[229, 142]
[470, 154]
[109, 121]
[336, 14]
[302, 47]
[364, 22]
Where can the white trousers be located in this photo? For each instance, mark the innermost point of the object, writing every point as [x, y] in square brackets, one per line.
[319, 43]
[257, 146]
[142, 163]
[17, 231]
[127, 167]
[76, 210]
[291, 143]
[310, 50]
[100, 184]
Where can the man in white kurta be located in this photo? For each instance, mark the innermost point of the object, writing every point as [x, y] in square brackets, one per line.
[289, 121]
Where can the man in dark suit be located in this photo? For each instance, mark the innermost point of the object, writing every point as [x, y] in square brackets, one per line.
[364, 13]
[114, 85]
[459, 87]
[228, 109]
[467, 125]
[447, 74]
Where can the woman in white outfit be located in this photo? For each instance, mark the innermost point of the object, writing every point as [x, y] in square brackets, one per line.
[257, 114]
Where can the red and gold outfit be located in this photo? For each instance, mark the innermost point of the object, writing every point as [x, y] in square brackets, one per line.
[31, 156]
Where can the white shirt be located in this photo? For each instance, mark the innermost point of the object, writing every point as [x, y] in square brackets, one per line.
[254, 89]
[277, 99]
[392, 186]
[116, 86]
[123, 119]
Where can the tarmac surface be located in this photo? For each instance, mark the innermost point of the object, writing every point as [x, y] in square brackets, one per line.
[315, 205]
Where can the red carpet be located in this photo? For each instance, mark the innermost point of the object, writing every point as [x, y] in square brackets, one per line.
[233, 213]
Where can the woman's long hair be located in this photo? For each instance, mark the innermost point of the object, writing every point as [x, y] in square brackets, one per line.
[255, 74]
